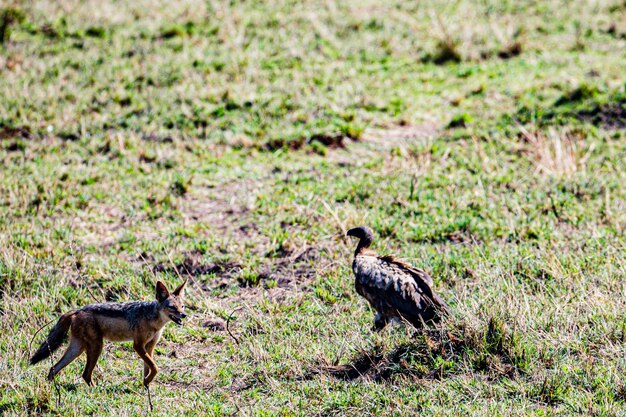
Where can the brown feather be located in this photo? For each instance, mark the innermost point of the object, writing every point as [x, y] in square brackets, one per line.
[415, 272]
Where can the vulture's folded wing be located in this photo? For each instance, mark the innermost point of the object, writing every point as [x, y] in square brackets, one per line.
[388, 286]
[421, 279]
[418, 274]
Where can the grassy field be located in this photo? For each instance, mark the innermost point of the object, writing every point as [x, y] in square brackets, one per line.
[234, 143]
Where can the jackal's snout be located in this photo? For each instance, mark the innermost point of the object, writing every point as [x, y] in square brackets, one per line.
[178, 318]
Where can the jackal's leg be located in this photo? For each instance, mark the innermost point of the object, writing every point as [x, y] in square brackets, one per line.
[93, 353]
[73, 351]
[150, 350]
[140, 348]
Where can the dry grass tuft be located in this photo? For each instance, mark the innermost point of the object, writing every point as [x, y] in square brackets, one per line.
[556, 153]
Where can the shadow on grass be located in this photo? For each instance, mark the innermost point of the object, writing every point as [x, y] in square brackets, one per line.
[584, 103]
[492, 349]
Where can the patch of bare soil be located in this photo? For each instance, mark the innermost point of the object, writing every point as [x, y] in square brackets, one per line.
[330, 140]
[215, 324]
[292, 268]
[400, 135]
[609, 116]
[289, 272]
[189, 385]
[218, 214]
[15, 132]
[195, 269]
[107, 231]
[192, 266]
[383, 140]
[224, 207]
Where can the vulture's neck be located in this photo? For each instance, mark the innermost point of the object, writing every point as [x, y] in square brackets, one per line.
[363, 247]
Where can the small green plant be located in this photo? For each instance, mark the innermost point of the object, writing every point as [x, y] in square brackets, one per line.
[180, 185]
[319, 148]
[325, 295]
[96, 32]
[249, 278]
[551, 390]
[352, 130]
[460, 120]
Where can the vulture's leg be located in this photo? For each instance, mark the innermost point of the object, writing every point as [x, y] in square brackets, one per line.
[380, 321]
[417, 322]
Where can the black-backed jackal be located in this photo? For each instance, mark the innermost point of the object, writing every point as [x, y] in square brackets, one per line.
[138, 321]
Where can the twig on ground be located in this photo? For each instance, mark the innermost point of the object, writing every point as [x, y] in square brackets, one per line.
[228, 324]
[89, 290]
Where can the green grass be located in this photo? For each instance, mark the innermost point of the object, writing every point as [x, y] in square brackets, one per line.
[235, 144]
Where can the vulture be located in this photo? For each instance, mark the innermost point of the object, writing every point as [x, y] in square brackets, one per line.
[395, 289]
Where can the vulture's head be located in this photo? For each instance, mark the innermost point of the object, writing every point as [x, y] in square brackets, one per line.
[364, 234]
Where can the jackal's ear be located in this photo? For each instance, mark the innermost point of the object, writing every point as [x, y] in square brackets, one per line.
[179, 291]
[161, 292]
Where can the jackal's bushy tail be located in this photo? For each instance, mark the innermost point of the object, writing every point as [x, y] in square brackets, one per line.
[55, 338]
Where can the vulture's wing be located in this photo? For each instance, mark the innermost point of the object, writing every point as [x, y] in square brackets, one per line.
[423, 281]
[418, 274]
[389, 286]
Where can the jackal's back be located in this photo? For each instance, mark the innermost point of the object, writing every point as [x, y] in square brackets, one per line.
[134, 312]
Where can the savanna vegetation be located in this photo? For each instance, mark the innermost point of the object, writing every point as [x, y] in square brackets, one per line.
[234, 143]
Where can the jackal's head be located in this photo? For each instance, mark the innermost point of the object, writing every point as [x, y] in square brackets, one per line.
[171, 304]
